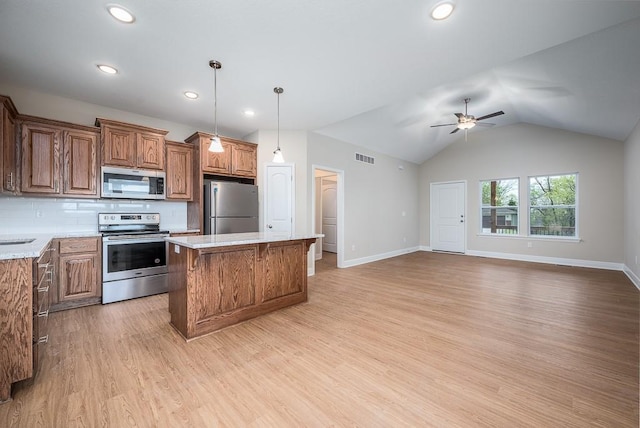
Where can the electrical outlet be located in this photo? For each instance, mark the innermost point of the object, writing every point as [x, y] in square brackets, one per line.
[404, 239]
[529, 244]
[353, 247]
[38, 213]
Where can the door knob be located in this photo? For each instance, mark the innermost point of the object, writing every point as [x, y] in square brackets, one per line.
[269, 226]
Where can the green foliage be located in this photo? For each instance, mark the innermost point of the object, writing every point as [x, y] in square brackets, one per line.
[506, 193]
[549, 198]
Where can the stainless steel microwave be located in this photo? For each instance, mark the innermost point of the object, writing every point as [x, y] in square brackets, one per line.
[125, 183]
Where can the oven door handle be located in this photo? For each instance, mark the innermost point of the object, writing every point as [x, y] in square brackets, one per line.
[133, 239]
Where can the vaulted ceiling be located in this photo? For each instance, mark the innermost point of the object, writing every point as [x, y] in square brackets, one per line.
[375, 73]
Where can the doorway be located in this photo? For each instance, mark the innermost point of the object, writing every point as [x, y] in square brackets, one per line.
[328, 217]
[448, 217]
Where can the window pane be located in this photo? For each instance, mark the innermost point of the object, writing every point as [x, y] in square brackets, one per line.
[552, 190]
[500, 220]
[552, 221]
[500, 193]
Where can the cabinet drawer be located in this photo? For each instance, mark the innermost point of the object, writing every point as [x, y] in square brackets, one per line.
[45, 258]
[42, 298]
[78, 245]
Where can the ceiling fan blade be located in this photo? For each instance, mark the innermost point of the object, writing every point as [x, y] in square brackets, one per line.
[444, 124]
[485, 124]
[454, 131]
[459, 115]
[497, 113]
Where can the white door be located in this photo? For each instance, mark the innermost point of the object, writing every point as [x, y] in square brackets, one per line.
[329, 216]
[278, 199]
[448, 217]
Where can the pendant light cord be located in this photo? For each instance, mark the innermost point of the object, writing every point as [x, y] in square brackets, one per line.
[278, 120]
[215, 100]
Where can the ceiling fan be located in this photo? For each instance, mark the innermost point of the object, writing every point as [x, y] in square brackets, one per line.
[467, 121]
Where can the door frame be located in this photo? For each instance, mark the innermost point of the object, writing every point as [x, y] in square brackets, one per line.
[340, 207]
[431, 216]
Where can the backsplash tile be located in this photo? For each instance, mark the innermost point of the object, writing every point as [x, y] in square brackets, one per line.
[53, 215]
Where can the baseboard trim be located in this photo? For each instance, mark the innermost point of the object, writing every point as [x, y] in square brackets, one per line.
[375, 258]
[425, 248]
[548, 260]
[632, 276]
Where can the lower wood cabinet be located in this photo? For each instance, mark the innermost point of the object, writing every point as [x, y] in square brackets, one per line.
[79, 273]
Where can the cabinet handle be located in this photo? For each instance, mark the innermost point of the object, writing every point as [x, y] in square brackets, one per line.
[43, 314]
[10, 176]
[43, 289]
[55, 186]
[44, 339]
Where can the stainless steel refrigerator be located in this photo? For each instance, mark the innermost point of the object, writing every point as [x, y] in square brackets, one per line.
[230, 207]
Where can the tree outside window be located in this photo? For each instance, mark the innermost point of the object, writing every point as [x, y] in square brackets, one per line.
[499, 207]
[552, 205]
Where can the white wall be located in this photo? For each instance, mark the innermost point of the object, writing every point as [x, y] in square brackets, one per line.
[632, 205]
[375, 198]
[294, 149]
[525, 150]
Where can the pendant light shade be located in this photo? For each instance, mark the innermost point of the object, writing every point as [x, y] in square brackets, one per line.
[215, 146]
[277, 154]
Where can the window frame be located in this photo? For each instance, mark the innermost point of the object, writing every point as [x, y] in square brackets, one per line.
[518, 206]
[576, 235]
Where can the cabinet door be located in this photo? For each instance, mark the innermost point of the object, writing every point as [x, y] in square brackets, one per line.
[244, 160]
[79, 163]
[150, 149]
[217, 163]
[8, 166]
[119, 147]
[78, 277]
[40, 159]
[180, 171]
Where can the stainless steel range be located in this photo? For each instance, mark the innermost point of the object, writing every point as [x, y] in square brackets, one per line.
[134, 256]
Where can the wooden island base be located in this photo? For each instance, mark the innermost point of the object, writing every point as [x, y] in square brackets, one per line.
[218, 286]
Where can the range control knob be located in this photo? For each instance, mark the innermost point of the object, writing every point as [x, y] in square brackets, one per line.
[113, 217]
[148, 217]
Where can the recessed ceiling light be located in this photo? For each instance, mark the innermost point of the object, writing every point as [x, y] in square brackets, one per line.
[107, 69]
[442, 11]
[249, 113]
[191, 95]
[121, 14]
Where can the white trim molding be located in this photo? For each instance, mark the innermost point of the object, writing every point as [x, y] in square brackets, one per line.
[632, 276]
[424, 248]
[377, 257]
[548, 260]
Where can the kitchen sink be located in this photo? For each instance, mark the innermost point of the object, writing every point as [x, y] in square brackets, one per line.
[16, 241]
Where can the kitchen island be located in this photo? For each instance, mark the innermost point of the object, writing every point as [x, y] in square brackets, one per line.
[220, 280]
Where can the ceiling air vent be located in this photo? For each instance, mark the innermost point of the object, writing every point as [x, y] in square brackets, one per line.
[365, 159]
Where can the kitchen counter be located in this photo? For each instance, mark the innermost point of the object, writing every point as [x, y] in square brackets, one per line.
[220, 280]
[34, 248]
[229, 239]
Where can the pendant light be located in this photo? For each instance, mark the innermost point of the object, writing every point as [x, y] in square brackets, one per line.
[215, 146]
[277, 154]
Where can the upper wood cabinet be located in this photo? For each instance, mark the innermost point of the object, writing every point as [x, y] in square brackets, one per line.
[179, 171]
[239, 158]
[132, 146]
[58, 158]
[8, 159]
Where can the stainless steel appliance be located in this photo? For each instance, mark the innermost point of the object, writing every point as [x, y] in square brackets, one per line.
[134, 256]
[124, 183]
[230, 207]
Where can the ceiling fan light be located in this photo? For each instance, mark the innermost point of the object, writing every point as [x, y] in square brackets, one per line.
[442, 11]
[466, 125]
[215, 146]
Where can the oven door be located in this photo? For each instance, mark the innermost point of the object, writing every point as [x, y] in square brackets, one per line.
[125, 257]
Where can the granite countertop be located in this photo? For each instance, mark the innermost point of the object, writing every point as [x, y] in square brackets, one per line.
[34, 248]
[229, 239]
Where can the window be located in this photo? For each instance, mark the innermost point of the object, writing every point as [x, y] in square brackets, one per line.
[552, 205]
[499, 206]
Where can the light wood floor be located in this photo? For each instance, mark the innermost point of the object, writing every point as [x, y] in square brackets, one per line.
[423, 339]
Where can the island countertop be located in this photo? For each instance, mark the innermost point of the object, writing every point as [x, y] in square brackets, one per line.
[230, 239]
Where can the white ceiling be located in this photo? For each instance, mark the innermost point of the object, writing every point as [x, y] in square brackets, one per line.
[375, 73]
